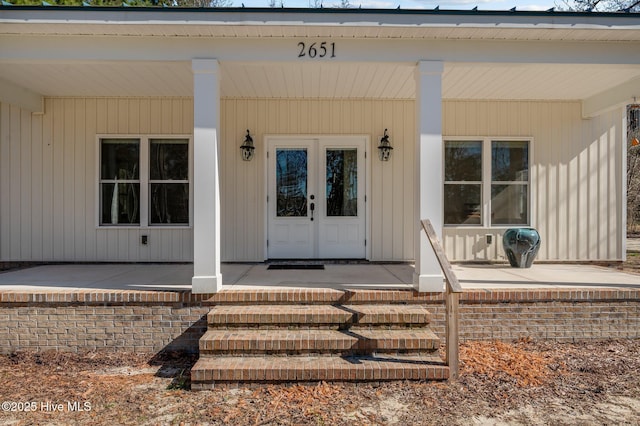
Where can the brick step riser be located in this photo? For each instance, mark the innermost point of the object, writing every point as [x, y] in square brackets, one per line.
[319, 322]
[259, 384]
[293, 348]
[308, 381]
[335, 369]
[296, 341]
[319, 297]
[339, 327]
[344, 316]
[323, 352]
[327, 303]
[238, 376]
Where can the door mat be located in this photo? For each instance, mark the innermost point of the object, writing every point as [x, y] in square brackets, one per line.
[294, 266]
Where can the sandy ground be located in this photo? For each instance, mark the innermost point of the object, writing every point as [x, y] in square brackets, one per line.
[521, 383]
[524, 383]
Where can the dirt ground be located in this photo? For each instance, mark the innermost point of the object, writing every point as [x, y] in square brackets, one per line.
[522, 383]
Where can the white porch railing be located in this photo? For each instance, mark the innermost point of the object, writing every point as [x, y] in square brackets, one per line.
[452, 300]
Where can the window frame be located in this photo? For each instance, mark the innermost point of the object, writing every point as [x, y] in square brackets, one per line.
[144, 180]
[487, 183]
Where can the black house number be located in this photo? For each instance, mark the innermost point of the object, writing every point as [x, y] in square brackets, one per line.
[317, 50]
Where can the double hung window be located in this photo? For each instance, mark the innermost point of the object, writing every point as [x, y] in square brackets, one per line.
[486, 182]
[144, 181]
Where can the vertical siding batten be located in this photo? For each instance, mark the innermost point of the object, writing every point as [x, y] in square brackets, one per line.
[90, 183]
[243, 184]
[575, 188]
[398, 204]
[25, 184]
[14, 189]
[47, 182]
[68, 147]
[101, 127]
[571, 185]
[80, 177]
[35, 243]
[5, 181]
[48, 175]
[575, 192]
[57, 144]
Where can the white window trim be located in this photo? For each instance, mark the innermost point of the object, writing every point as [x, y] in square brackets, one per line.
[144, 181]
[485, 197]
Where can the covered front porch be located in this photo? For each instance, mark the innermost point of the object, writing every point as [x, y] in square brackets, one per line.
[202, 79]
[373, 276]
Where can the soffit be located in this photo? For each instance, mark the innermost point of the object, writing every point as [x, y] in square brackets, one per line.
[322, 81]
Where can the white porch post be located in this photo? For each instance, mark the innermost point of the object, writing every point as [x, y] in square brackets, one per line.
[206, 190]
[429, 175]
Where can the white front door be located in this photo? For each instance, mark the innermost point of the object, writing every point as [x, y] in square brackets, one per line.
[316, 198]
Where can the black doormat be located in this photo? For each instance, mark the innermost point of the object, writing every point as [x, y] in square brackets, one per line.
[294, 266]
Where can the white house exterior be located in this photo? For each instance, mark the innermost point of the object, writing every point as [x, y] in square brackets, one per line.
[496, 119]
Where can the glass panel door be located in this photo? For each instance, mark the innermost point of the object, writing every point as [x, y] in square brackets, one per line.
[341, 227]
[316, 206]
[291, 203]
[291, 182]
[342, 182]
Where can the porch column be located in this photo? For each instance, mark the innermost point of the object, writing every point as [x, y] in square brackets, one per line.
[429, 175]
[206, 190]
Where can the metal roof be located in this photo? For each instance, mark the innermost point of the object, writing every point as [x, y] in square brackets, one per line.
[335, 22]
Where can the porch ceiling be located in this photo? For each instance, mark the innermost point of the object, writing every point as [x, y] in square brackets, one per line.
[312, 80]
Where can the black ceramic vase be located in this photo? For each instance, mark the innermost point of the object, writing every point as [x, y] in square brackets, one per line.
[521, 246]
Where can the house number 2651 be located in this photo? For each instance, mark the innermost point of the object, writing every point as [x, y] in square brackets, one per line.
[317, 50]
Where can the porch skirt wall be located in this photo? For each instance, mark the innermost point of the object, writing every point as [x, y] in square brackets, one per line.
[152, 322]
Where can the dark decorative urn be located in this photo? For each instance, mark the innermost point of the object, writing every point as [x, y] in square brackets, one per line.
[521, 246]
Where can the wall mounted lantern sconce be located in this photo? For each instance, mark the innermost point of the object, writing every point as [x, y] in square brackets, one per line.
[247, 147]
[384, 149]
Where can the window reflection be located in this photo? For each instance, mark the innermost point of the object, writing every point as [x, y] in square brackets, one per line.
[291, 182]
[463, 183]
[120, 181]
[169, 182]
[509, 161]
[342, 182]
[509, 182]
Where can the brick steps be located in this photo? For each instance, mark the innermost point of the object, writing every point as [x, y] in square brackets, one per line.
[291, 335]
[317, 315]
[277, 315]
[294, 342]
[210, 371]
[388, 315]
[317, 296]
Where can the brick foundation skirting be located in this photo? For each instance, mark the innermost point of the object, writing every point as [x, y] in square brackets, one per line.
[153, 321]
[73, 321]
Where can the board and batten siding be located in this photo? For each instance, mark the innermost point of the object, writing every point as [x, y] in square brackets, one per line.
[576, 175]
[48, 175]
[243, 183]
[48, 180]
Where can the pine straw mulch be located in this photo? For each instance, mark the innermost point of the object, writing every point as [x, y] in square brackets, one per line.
[515, 383]
[498, 359]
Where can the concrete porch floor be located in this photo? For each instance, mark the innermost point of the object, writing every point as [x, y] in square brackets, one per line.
[169, 277]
